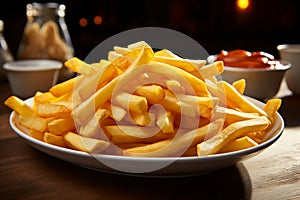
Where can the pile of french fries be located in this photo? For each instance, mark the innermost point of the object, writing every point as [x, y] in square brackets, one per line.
[146, 104]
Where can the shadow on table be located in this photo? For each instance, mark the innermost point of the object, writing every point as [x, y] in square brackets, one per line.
[229, 183]
[290, 110]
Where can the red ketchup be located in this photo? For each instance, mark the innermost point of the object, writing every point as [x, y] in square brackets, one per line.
[245, 59]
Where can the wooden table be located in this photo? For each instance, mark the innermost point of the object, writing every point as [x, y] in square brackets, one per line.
[26, 173]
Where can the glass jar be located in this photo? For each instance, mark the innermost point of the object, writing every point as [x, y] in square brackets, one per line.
[46, 35]
[5, 54]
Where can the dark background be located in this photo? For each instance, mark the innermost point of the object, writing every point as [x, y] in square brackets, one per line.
[215, 24]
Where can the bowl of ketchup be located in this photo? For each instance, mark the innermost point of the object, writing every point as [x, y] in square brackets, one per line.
[262, 72]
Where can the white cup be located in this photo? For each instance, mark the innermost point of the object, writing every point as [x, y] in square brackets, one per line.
[291, 53]
[26, 77]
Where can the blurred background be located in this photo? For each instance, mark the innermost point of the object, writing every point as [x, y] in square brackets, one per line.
[254, 25]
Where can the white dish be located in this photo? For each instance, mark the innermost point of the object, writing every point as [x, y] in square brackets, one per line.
[261, 83]
[26, 77]
[159, 167]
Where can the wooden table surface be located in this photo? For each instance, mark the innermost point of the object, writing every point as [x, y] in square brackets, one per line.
[26, 173]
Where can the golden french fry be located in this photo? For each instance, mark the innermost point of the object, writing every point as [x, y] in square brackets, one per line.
[92, 128]
[167, 53]
[56, 140]
[77, 65]
[122, 50]
[176, 145]
[66, 86]
[187, 122]
[132, 102]
[135, 134]
[231, 115]
[192, 107]
[112, 55]
[238, 144]
[192, 151]
[138, 45]
[195, 83]
[18, 105]
[240, 85]
[209, 102]
[212, 69]
[86, 109]
[105, 74]
[61, 125]
[256, 136]
[165, 121]
[36, 134]
[239, 101]
[170, 102]
[272, 107]
[231, 132]
[89, 145]
[141, 119]
[153, 93]
[32, 122]
[45, 97]
[51, 110]
[115, 112]
[175, 87]
[177, 62]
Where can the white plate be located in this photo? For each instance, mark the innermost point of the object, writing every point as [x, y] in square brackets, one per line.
[159, 167]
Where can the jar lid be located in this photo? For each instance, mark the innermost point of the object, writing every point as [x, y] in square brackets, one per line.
[45, 9]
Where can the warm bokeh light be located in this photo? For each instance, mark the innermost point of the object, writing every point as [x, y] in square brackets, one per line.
[83, 22]
[97, 20]
[243, 4]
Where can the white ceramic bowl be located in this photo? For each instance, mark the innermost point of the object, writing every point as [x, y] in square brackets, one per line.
[291, 53]
[261, 83]
[26, 77]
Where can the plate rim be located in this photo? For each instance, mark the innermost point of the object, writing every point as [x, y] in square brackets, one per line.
[278, 132]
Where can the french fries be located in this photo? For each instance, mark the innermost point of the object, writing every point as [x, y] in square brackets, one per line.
[147, 104]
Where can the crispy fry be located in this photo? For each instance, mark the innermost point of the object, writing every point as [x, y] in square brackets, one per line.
[51, 110]
[212, 69]
[239, 101]
[165, 121]
[61, 125]
[92, 128]
[37, 135]
[45, 97]
[141, 119]
[105, 74]
[153, 93]
[238, 144]
[56, 140]
[18, 105]
[77, 65]
[197, 84]
[66, 86]
[231, 115]
[272, 107]
[178, 144]
[85, 144]
[132, 102]
[231, 132]
[32, 122]
[135, 134]
[116, 112]
[240, 85]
